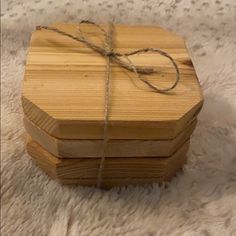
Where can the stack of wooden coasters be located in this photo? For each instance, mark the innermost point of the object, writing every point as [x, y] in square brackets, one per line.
[63, 103]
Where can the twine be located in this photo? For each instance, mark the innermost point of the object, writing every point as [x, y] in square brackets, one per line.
[111, 56]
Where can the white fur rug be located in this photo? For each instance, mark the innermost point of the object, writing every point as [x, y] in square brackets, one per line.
[200, 201]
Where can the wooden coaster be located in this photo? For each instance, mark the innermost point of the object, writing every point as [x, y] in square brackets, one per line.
[63, 89]
[117, 171]
[74, 148]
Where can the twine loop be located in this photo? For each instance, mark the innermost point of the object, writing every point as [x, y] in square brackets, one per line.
[122, 60]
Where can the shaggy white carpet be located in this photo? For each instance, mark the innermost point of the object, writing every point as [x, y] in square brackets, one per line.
[200, 201]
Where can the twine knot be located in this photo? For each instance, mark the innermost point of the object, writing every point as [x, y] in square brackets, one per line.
[109, 54]
[123, 60]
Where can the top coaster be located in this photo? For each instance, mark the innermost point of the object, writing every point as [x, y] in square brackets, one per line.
[64, 85]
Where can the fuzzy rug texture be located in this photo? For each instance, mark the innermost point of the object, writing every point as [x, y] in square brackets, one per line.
[199, 201]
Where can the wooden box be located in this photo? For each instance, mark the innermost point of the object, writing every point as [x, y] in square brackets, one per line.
[63, 103]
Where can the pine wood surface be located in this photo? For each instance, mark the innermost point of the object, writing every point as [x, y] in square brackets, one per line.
[63, 90]
[74, 148]
[114, 168]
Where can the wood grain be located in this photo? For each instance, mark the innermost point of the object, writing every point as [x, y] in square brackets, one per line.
[63, 91]
[74, 148]
[160, 168]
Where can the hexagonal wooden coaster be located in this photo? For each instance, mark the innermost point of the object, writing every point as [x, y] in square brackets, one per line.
[117, 171]
[74, 148]
[64, 85]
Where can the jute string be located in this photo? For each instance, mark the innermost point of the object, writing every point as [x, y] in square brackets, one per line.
[121, 59]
